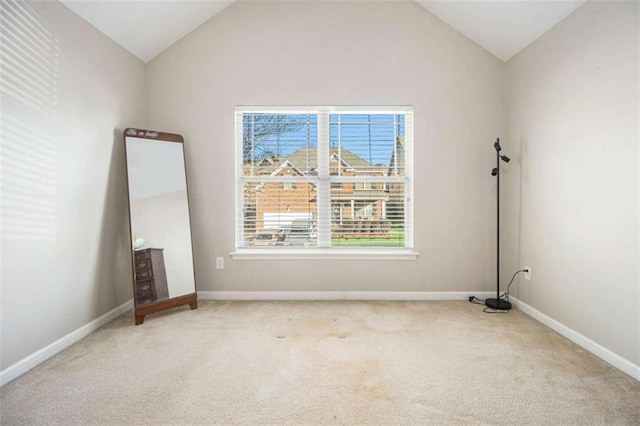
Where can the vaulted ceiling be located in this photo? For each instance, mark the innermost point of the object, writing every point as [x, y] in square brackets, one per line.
[146, 28]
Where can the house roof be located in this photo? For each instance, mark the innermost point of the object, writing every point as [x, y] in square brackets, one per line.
[266, 166]
[397, 159]
[307, 159]
[287, 164]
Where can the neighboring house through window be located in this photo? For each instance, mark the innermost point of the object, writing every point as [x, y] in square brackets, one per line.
[322, 177]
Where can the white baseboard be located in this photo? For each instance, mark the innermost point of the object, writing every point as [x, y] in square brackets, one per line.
[341, 295]
[600, 351]
[26, 364]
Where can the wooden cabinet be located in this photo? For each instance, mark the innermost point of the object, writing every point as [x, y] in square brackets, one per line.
[151, 277]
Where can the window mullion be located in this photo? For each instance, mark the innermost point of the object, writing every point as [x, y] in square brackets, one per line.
[324, 195]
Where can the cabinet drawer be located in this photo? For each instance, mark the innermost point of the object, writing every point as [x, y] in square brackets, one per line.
[143, 300]
[145, 291]
[143, 263]
[146, 296]
[144, 286]
[146, 253]
[144, 274]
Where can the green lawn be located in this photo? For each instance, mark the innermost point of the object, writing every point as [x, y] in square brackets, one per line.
[396, 240]
[362, 242]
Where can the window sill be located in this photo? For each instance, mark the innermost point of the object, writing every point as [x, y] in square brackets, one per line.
[326, 254]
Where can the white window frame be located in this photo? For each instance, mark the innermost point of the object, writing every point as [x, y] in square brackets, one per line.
[323, 179]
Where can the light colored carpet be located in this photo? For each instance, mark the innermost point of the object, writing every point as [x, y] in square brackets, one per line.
[324, 363]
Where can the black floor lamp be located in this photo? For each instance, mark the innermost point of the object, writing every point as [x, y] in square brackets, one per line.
[497, 303]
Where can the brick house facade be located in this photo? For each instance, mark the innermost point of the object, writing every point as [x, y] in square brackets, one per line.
[278, 204]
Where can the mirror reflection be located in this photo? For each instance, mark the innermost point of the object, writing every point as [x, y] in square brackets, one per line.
[160, 225]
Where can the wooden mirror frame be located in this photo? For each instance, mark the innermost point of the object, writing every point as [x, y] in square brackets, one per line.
[190, 299]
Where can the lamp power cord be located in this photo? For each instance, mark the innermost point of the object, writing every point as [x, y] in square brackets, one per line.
[503, 296]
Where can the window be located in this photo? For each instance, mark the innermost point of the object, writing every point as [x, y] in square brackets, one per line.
[324, 177]
[364, 185]
[288, 185]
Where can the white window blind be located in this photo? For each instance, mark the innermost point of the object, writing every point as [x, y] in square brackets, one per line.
[314, 178]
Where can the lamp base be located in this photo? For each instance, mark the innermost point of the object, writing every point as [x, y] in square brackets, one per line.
[498, 304]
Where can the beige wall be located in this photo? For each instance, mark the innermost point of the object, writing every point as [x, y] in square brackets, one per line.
[59, 277]
[572, 98]
[339, 53]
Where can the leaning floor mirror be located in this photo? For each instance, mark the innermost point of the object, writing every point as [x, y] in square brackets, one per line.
[159, 222]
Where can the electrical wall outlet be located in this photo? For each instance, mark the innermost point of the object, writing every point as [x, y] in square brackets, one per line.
[527, 273]
[219, 262]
